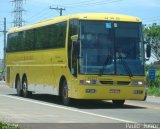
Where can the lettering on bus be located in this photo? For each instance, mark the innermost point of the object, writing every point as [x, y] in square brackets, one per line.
[28, 57]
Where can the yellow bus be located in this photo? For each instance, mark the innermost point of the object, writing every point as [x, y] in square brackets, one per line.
[95, 56]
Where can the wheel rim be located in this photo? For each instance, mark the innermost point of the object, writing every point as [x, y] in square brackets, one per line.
[18, 87]
[65, 92]
[25, 88]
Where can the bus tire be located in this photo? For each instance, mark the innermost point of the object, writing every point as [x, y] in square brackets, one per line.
[118, 102]
[18, 86]
[25, 87]
[145, 97]
[65, 98]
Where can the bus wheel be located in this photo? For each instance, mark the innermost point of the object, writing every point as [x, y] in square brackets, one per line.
[25, 87]
[145, 97]
[65, 98]
[118, 102]
[18, 87]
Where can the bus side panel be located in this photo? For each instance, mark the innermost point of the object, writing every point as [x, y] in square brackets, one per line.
[42, 68]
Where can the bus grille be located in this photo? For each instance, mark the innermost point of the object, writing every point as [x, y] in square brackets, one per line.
[115, 82]
[122, 83]
[107, 82]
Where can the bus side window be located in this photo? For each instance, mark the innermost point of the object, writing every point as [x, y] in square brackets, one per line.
[12, 42]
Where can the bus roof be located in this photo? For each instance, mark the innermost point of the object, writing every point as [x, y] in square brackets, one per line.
[83, 16]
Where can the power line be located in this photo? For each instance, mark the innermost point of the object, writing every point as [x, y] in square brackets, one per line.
[94, 3]
[82, 2]
[59, 9]
[150, 17]
[103, 2]
[88, 3]
[152, 20]
[43, 16]
[39, 15]
[46, 16]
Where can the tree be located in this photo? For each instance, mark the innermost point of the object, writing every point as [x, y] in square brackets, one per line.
[152, 36]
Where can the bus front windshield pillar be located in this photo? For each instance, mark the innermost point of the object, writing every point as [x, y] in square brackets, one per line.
[75, 54]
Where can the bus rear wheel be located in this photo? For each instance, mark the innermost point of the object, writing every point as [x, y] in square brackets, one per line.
[18, 87]
[65, 98]
[118, 102]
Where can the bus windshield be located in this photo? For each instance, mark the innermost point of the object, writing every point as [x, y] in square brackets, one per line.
[111, 48]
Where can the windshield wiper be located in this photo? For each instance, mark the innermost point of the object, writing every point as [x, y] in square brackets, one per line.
[107, 60]
[127, 67]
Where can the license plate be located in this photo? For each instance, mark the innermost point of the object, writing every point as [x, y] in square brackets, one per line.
[90, 90]
[114, 91]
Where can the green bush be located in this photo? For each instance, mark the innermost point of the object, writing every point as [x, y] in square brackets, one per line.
[1, 70]
[154, 91]
[8, 126]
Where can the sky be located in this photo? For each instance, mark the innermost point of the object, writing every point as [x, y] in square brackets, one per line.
[37, 10]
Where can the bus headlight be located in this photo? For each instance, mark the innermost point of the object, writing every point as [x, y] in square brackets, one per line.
[137, 83]
[90, 82]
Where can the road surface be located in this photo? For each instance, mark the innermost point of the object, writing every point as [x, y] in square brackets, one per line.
[48, 109]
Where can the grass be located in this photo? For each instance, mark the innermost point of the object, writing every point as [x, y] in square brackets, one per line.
[154, 91]
[8, 126]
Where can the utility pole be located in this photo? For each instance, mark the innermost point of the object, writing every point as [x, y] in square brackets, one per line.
[59, 9]
[5, 34]
[18, 13]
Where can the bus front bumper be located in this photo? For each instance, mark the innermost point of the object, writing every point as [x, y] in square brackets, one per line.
[109, 92]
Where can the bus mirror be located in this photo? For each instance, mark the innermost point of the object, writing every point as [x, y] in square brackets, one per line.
[74, 38]
[148, 51]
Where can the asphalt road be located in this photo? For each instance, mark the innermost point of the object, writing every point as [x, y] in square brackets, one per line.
[48, 109]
